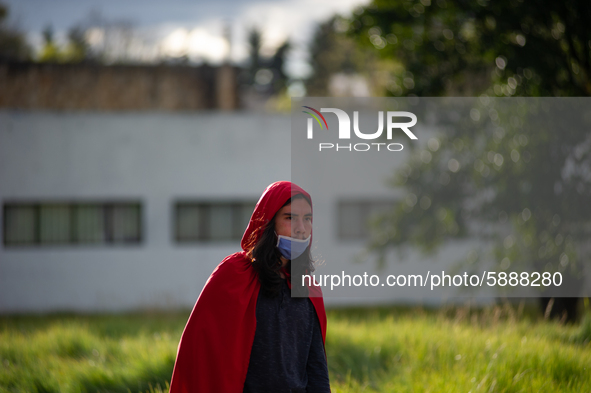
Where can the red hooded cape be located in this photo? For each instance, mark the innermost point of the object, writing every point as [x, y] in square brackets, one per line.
[214, 350]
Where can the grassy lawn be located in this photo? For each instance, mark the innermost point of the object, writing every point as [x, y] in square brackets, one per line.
[373, 350]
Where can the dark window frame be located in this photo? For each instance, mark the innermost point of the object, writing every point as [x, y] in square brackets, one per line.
[73, 210]
[204, 207]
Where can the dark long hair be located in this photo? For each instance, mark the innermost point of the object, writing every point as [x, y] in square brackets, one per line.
[266, 260]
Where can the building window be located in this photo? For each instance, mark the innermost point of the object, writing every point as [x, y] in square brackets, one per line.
[196, 221]
[60, 223]
[354, 217]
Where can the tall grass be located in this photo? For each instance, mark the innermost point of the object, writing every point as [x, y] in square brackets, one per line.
[377, 350]
[88, 353]
[487, 351]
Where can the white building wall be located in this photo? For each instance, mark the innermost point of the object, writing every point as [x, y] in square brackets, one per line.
[158, 158]
[155, 158]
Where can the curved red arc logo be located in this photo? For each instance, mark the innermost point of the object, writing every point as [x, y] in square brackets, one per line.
[319, 114]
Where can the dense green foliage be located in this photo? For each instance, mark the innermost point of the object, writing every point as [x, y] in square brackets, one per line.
[462, 47]
[522, 183]
[511, 172]
[332, 52]
[377, 350]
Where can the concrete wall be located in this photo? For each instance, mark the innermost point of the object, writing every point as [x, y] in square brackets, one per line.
[158, 158]
[117, 88]
[155, 158]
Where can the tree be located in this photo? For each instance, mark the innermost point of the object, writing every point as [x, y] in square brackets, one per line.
[13, 45]
[266, 74]
[515, 174]
[334, 52]
[501, 48]
[524, 181]
[50, 51]
[254, 53]
[276, 64]
[94, 39]
[78, 49]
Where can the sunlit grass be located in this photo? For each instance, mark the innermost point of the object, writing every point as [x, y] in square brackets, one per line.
[480, 352]
[378, 350]
[88, 353]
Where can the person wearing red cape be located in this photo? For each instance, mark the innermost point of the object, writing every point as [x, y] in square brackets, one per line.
[246, 332]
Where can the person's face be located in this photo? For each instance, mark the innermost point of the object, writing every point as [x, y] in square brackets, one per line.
[295, 219]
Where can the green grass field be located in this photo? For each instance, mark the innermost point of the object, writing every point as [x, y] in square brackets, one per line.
[376, 350]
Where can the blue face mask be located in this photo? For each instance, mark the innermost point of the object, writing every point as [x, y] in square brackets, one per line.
[292, 248]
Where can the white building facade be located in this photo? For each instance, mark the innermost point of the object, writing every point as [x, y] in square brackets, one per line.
[133, 211]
